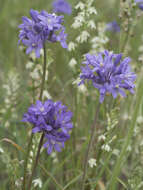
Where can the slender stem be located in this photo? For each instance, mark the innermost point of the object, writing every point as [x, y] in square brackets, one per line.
[44, 73]
[26, 161]
[36, 161]
[31, 136]
[89, 147]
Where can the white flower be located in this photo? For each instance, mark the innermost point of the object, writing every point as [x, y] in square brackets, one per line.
[101, 137]
[29, 65]
[42, 52]
[31, 154]
[106, 147]
[116, 152]
[1, 150]
[77, 81]
[76, 24]
[82, 88]
[71, 46]
[83, 37]
[35, 74]
[7, 124]
[46, 94]
[92, 10]
[32, 55]
[72, 63]
[80, 5]
[92, 162]
[91, 24]
[140, 119]
[37, 183]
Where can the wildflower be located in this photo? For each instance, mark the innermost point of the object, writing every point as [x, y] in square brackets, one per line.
[41, 28]
[113, 26]
[140, 3]
[71, 46]
[53, 120]
[83, 37]
[108, 73]
[62, 6]
[92, 162]
[106, 147]
[37, 183]
[72, 63]
[80, 5]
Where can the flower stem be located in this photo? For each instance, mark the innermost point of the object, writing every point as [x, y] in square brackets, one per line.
[26, 161]
[44, 73]
[89, 147]
[36, 161]
[31, 136]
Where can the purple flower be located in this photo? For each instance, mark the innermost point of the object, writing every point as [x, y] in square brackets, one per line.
[108, 73]
[113, 26]
[53, 119]
[62, 6]
[40, 28]
[140, 3]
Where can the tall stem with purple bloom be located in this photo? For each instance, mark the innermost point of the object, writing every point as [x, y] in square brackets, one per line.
[32, 134]
[42, 136]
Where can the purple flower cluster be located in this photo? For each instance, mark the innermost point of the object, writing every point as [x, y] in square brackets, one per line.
[113, 26]
[53, 119]
[140, 3]
[41, 28]
[108, 73]
[62, 6]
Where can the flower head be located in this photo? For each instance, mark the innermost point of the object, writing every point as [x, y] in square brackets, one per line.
[108, 73]
[40, 28]
[53, 119]
[62, 6]
[113, 26]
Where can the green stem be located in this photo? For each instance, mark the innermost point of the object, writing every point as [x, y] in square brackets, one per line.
[26, 161]
[44, 73]
[89, 147]
[31, 136]
[36, 161]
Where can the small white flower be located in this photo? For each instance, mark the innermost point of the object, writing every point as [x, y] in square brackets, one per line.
[42, 52]
[46, 94]
[140, 119]
[76, 24]
[83, 37]
[77, 81]
[116, 152]
[92, 10]
[91, 24]
[82, 88]
[106, 147]
[35, 74]
[7, 124]
[101, 137]
[32, 55]
[37, 183]
[1, 150]
[72, 63]
[92, 162]
[129, 148]
[71, 46]
[31, 154]
[53, 154]
[29, 65]
[80, 5]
